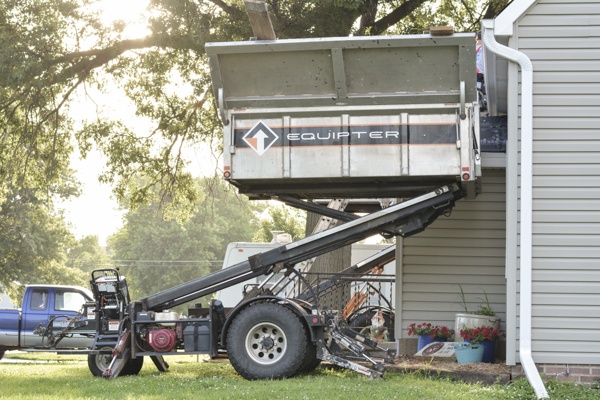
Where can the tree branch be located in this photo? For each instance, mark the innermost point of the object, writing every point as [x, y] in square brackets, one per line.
[368, 17]
[233, 11]
[100, 56]
[395, 16]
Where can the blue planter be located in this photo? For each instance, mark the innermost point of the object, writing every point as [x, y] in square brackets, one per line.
[467, 353]
[424, 340]
[489, 350]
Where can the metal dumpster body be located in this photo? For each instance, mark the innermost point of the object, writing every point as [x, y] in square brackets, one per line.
[348, 117]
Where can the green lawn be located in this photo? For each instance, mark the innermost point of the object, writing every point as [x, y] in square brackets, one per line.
[67, 377]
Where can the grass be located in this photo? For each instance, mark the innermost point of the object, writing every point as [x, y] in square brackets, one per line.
[52, 376]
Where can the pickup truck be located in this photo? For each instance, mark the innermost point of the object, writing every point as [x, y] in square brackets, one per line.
[49, 306]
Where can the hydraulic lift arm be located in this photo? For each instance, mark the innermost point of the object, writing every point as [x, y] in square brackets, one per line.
[403, 219]
[375, 261]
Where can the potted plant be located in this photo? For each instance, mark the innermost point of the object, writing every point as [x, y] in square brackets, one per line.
[486, 336]
[428, 333]
[467, 353]
[483, 316]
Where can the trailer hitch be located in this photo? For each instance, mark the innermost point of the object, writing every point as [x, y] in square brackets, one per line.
[354, 343]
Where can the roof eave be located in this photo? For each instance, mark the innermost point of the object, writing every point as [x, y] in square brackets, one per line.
[504, 23]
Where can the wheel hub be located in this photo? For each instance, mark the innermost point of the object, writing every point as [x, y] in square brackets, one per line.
[266, 343]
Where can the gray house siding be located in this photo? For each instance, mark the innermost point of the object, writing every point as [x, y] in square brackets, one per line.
[563, 41]
[466, 248]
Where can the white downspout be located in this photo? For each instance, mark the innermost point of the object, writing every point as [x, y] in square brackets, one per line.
[525, 353]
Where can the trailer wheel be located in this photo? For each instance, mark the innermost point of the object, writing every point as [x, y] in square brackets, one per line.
[267, 341]
[133, 366]
[2, 354]
[310, 361]
[97, 363]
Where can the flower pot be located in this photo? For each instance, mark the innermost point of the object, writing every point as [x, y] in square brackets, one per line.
[424, 340]
[489, 351]
[467, 353]
[468, 321]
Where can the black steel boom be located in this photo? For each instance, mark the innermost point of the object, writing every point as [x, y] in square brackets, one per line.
[404, 219]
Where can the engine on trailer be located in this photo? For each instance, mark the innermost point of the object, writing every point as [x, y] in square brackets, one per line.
[163, 334]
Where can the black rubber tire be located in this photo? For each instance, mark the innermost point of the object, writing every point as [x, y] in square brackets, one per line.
[310, 361]
[133, 366]
[362, 320]
[267, 341]
[2, 354]
[97, 363]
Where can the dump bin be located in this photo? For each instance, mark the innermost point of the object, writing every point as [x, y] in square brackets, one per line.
[347, 117]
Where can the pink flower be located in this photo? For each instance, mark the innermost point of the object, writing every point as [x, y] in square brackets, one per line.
[481, 333]
[427, 329]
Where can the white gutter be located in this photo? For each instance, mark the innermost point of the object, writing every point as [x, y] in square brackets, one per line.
[525, 353]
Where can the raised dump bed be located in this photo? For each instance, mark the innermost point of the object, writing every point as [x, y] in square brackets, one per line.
[391, 116]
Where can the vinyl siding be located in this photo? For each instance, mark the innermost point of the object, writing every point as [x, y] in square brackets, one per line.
[562, 38]
[466, 248]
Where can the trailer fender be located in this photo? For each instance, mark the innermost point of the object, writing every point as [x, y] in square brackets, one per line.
[299, 309]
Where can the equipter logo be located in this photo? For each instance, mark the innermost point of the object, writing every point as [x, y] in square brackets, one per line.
[260, 138]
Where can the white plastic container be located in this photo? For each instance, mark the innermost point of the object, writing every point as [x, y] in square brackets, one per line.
[468, 321]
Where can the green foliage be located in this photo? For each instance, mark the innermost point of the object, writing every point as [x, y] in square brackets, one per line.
[33, 240]
[87, 255]
[281, 218]
[485, 308]
[156, 254]
[56, 51]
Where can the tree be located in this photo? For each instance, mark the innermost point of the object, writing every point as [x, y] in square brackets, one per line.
[156, 254]
[281, 218]
[33, 244]
[87, 255]
[53, 50]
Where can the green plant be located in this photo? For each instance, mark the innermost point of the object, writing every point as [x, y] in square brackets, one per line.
[485, 307]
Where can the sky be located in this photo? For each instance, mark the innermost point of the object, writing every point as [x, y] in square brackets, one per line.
[95, 212]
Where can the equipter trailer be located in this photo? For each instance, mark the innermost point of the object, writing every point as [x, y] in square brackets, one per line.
[306, 120]
[266, 337]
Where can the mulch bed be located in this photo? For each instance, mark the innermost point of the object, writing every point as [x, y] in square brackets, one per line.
[484, 373]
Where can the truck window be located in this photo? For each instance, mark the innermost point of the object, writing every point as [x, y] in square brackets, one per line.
[39, 300]
[68, 301]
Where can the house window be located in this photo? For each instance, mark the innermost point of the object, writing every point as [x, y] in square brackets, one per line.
[68, 301]
[39, 300]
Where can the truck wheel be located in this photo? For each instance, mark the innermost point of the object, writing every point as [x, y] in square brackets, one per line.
[267, 341]
[97, 363]
[2, 354]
